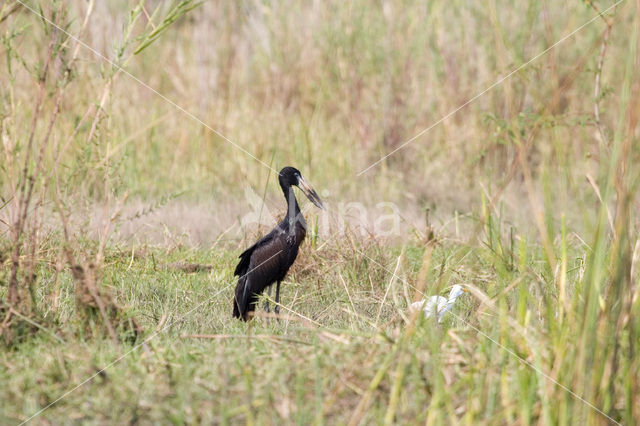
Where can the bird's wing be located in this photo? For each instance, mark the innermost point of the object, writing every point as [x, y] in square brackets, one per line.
[442, 303]
[245, 256]
[430, 305]
[260, 266]
[266, 263]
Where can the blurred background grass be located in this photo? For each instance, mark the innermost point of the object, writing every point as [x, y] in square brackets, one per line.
[332, 87]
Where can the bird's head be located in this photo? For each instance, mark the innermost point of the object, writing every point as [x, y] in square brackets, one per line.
[290, 176]
[456, 291]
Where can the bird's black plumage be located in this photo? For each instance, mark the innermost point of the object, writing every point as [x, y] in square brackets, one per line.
[268, 260]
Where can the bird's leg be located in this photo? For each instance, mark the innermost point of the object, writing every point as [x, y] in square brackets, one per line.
[277, 308]
[266, 304]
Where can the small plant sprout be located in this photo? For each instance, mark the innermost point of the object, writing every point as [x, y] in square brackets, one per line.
[438, 304]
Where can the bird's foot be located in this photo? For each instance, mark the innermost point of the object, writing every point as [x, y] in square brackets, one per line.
[276, 309]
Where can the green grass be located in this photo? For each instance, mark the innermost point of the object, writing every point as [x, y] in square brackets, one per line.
[320, 362]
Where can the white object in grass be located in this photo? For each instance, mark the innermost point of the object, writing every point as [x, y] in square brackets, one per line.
[438, 304]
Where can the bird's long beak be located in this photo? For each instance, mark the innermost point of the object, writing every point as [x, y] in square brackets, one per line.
[309, 192]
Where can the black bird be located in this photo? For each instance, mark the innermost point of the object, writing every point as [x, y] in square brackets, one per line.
[268, 260]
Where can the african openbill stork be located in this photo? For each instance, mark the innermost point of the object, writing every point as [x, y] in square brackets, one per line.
[268, 260]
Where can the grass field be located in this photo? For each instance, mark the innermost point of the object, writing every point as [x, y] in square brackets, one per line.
[139, 143]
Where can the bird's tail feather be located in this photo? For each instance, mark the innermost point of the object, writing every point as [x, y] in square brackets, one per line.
[241, 300]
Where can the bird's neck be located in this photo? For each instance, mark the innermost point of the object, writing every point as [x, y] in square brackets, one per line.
[293, 210]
